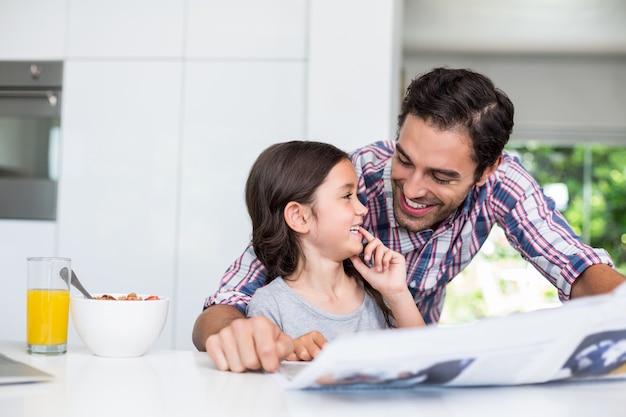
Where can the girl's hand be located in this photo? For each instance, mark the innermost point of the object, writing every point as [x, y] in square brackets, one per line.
[307, 346]
[388, 276]
[387, 273]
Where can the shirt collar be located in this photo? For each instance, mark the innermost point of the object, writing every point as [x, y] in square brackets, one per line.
[388, 190]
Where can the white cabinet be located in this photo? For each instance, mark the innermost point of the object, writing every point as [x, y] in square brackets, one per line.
[233, 110]
[166, 105]
[20, 239]
[354, 58]
[32, 29]
[121, 28]
[151, 202]
[247, 29]
[119, 177]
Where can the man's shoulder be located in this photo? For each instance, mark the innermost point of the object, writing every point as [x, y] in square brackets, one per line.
[509, 184]
[371, 159]
[512, 170]
[381, 150]
[509, 161]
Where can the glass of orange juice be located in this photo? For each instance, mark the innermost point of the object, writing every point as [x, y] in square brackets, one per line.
[47, 305]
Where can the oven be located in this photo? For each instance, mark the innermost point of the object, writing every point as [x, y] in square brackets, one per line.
[30, 135]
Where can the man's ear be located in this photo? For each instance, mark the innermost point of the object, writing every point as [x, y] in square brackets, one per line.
[489, 170]
[297, 216]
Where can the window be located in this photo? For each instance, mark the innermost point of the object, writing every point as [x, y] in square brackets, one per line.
[588, 184]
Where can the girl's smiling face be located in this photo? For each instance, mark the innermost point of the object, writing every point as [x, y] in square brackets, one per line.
[338, 213]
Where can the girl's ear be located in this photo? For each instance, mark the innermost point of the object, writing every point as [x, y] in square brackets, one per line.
[297, 217]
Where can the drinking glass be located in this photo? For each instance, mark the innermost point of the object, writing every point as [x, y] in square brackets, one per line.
[47, 305]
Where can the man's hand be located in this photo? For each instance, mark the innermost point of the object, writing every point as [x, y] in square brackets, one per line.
[308, 346]
[249, 344]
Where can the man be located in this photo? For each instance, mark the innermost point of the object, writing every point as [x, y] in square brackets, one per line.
[433, 196]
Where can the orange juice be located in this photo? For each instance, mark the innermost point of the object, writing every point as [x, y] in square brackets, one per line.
[47, 316]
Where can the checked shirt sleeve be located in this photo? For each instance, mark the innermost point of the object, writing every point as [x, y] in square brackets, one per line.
[536, 229]
[240, 281]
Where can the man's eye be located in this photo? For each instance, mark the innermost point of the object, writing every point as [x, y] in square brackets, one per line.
[404, 162]
[441, 181]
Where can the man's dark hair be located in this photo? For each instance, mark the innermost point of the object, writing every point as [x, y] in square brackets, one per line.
[462, 99]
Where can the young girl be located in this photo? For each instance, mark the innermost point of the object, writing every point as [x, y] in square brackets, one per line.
[306, 217]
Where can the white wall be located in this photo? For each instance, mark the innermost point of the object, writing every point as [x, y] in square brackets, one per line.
[562, 63]
[559, 99]
[354, 59]
[166, 105]
[516, 26]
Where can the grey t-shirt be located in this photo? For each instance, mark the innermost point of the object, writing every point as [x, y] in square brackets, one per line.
[296, 316]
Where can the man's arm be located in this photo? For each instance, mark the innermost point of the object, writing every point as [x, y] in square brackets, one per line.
[544, 237]
[596, 279]
[211, 321]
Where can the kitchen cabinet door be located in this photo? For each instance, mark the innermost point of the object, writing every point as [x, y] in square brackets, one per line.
[248, 29]
[119, 175]
[32, 29]
[20, 239]
[233, 110]
[125, 29]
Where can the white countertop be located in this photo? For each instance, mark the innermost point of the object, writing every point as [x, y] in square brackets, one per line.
[184, 383]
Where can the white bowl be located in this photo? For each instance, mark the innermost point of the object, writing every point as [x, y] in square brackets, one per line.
[116, 328]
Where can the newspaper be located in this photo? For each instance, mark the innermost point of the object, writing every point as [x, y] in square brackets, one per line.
[584, 338]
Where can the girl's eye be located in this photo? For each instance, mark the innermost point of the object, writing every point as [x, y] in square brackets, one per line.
[348, 196]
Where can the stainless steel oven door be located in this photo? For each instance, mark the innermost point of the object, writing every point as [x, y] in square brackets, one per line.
[30, 135]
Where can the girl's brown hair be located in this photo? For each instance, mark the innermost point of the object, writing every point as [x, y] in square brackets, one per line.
[285, 172]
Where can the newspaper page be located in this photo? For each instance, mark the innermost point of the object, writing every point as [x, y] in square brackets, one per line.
[584, 338]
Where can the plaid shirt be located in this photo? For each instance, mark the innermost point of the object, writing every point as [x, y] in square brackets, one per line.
[510, 198]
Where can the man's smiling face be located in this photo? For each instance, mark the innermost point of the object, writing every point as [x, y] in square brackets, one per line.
[432, 172]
